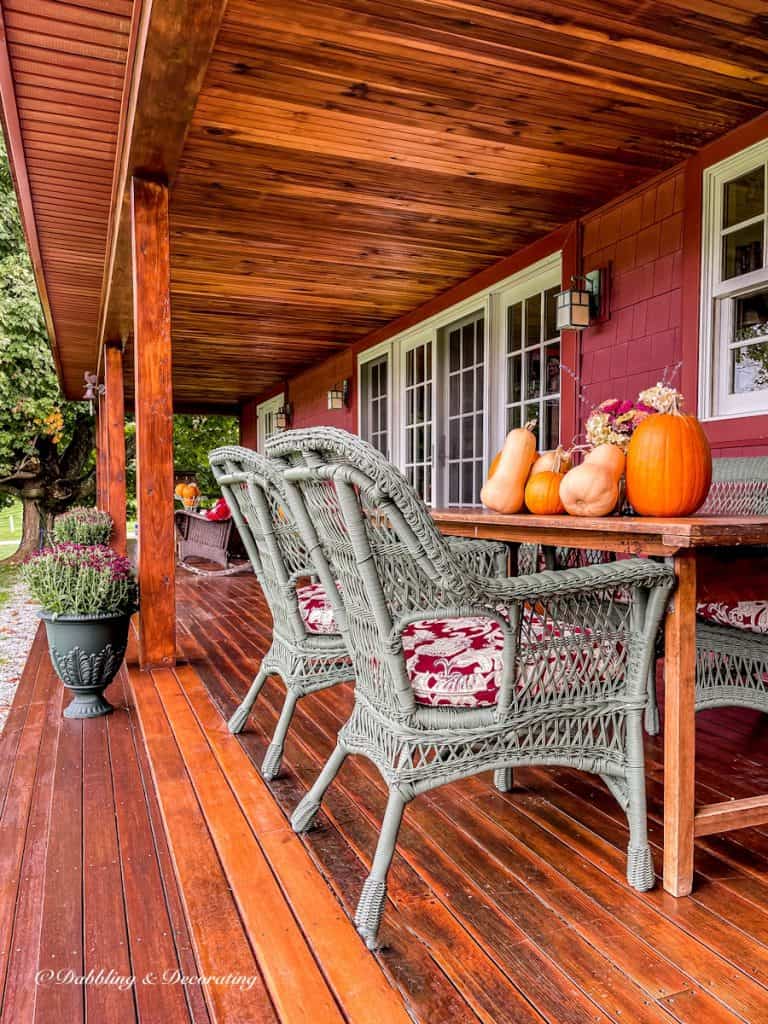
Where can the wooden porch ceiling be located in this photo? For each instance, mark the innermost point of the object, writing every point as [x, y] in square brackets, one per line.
[348, 160]
[62, 68]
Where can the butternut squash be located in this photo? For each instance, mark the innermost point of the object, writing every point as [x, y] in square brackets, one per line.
[589, 490]
[504, 490]
[610, 457]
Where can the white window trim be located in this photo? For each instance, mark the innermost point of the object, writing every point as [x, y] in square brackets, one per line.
[713, 401]
[264, 409]
[490, 302]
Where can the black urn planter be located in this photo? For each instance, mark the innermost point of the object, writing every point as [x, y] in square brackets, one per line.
[87, 651]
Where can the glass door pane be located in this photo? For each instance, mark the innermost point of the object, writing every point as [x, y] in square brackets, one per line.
[418, 421]
[374, 378]
[532, 348]
[463, 351]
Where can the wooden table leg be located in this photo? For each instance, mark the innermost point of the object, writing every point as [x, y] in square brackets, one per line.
[680, 729]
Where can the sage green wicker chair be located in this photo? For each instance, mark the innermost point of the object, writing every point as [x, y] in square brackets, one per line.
[307, 652]
[305, 659]
[556, 670]
[732, 663]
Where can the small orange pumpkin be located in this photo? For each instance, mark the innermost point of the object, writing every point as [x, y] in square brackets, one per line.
[178, 489]
[542, 493]
[589, 490]
[669, 465]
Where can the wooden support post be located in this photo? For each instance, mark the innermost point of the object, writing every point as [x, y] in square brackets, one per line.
[101, 462]
[154, 422]
[680, 728]
[249, 424]
[114, 429]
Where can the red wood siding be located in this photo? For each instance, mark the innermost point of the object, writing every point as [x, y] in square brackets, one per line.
[642, 238]
[308, 393]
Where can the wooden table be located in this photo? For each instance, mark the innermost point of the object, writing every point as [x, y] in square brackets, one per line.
[677, 539]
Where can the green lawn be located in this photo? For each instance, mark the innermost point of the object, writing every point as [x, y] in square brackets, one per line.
[10, 529]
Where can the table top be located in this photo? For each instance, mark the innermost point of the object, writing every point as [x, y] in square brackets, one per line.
[631, 534]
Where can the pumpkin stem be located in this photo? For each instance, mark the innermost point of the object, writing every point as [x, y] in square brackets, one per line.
[531, 425]
[557, 460]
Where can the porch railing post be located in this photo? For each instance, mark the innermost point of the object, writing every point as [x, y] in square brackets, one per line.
[154, 421]
[114, 424]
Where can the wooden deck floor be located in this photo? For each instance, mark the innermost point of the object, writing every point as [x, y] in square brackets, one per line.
[146, 842]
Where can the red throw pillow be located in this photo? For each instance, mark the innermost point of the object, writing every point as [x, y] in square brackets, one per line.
[219, 512]
[733, 588]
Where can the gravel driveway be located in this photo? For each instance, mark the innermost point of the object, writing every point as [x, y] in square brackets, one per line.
[18, 622]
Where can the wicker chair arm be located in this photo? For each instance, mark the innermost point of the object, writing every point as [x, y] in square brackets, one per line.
[549, 584]
[481, 557]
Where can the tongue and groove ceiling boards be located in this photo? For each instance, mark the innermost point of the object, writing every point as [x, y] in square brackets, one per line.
[348, 160]
[65, 66]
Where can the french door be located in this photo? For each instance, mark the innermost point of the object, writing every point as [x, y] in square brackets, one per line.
[418, 415]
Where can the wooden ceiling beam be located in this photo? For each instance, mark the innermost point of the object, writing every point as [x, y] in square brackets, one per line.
[171, 44]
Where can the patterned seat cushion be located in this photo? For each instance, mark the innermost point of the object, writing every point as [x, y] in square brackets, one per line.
[315, 609]
[733, 590]
[454, 662]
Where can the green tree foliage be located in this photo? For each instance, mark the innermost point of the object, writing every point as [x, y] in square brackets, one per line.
[193, 438]
[46, 444]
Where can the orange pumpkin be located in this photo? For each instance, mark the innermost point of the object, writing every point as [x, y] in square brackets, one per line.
[178, 489]
[669, 466]
[610, 457]
[542, 493]
[504, 490]
[589, 490]
[558, 460]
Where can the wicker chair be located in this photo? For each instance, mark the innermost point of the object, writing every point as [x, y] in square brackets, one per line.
[305, 659]
[558, 676]
[211, 540]
[732, 663]
[307, 652]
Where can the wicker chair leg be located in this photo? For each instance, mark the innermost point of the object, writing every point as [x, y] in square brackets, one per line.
[240, 717]
[640, 874]
[371, 904]
[651, 721]
[303, 817]
[503, 779]
[270, 766]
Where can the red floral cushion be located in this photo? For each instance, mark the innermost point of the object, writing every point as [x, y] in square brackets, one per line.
[455, 662]
[733, 590]
[459, 662]
[219, 512]
[315, 609]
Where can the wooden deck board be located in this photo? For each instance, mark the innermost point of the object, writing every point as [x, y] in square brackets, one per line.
[674, 964]
[148, 840]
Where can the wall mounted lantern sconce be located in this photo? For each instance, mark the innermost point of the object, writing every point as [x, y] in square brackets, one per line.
[92, 390]
[283, 416]
[338, 396]
[586, 302]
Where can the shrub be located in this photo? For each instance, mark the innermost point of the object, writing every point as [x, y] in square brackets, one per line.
[79, 579]
[83, 526]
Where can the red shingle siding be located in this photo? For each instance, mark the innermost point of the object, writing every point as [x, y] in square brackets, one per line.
[642, 237]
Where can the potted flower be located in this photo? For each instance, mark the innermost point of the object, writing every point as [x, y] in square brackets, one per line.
[88, 594]
[83, 526]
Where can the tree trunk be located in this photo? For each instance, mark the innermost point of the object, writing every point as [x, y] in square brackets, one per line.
[30, 532]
